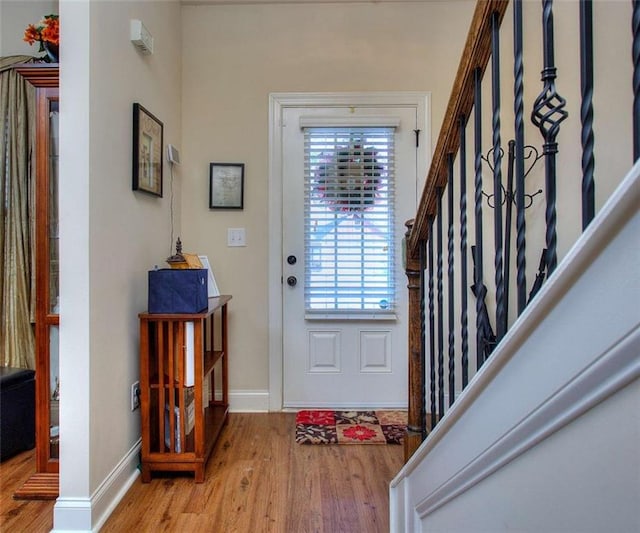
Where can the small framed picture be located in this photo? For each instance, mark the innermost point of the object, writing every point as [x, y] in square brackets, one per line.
[147, 151]
[226, 186]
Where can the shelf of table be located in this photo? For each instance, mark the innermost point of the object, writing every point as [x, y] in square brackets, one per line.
[211, 358]
[156, 390]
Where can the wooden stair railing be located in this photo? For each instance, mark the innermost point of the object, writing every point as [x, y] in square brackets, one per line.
[475, 58]
[426, 238]
[475, 55]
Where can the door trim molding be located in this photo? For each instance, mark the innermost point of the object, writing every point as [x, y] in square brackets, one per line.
[277, 103]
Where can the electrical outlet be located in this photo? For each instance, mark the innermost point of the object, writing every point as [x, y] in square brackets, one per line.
[135, 396]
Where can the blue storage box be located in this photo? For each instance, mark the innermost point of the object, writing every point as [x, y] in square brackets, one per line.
[177, 291]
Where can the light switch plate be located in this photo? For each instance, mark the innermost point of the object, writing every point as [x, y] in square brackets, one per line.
[236, 237]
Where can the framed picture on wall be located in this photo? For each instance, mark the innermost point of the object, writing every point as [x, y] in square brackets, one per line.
[147, 151]
[226, 186]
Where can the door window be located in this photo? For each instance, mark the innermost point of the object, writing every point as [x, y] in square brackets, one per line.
[349, 221]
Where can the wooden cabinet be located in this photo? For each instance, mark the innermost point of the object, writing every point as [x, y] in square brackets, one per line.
[44, 77]
[183, 388]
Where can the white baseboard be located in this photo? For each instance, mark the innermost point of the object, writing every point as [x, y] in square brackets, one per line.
[249, 401]
[72, 514]
[76, 514]
[257, 401]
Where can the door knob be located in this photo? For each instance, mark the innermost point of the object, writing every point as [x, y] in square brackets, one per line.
[291, 281]
[292, 259]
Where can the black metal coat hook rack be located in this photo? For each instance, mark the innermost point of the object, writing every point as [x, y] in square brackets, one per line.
[531, 155]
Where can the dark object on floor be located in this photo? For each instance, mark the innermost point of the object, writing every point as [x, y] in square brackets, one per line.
[17, 411]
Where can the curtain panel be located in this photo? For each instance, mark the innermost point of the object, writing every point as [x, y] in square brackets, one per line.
[17, 231]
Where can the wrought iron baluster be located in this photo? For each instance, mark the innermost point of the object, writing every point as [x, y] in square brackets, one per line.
[518, 105]
[440, 298]
[450, 281]
[432, 329]
[586, 111]
[487, 338]
[440, 301]
[464, 327]
[539, 279]
[635, 25]
[478, 280]
[501, 319]
[507, 228]
[423, 378]
[548, 113]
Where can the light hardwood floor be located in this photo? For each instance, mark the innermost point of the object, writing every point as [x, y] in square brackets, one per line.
[22, 516]
[257, 480]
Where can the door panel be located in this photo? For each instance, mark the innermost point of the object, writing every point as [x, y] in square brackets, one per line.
[332, 362]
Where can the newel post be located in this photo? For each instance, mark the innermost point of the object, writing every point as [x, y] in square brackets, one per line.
[416, 418]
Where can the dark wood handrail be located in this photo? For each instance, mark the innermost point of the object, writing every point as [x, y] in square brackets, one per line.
[476, 54]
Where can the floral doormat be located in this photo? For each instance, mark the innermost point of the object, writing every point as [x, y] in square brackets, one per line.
[350, 427]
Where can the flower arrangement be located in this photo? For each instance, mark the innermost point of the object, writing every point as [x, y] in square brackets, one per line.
[349, 180]
[47, 33]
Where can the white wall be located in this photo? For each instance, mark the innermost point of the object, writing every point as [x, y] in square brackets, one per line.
[110, 237]
[15, 16]
[233, 57]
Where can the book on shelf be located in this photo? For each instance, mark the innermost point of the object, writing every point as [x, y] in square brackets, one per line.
[190, 418]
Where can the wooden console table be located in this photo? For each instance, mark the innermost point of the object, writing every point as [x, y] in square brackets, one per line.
[183, 388]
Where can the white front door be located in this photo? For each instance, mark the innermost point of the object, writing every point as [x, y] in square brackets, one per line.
[345, 342]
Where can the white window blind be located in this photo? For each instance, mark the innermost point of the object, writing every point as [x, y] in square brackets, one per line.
[349, 221]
